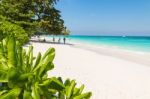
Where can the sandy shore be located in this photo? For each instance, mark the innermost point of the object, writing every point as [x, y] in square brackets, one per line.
[108, 77]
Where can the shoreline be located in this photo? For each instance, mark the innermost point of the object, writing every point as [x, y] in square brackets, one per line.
[106, 76]
[125, 54]
[117, 52]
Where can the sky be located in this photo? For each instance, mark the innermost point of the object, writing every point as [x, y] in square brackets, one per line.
[106, 17]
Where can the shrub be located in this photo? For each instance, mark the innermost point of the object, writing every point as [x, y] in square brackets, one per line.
[7, 28]
[22, 77]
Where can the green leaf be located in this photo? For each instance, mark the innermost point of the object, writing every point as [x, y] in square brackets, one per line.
[53, 83]
[24, 60]
[35, 92]
[45, 63]
[29, 59]
[3, 76]
[60, 79]
[43, 70]
[19, 56]
[56, 84]
[27, 95]
[3, 59]
[81, 89]
[11, 46]
[84, 96]
[50, 50]
[30, 54]
[69, 90]
[38, 59]
[12, 94]
[4, 42]
[1, 50]
[24, 77]
[3, 66]
[61, 95]
[3, 91]
[76, 91]
[67, 82]
[13, 75]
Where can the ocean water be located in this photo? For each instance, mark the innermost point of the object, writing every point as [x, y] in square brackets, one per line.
[134, 43]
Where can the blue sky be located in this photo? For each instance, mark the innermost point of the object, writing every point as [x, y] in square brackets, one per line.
[106, 17]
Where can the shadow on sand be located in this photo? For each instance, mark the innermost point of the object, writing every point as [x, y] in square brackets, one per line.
[48, 42]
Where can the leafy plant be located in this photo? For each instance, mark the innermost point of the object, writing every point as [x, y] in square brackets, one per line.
[24, 76]
[72, 92]
[7, 28]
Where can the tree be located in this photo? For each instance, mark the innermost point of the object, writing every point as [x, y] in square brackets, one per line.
[8, 28]
[33, 15]
[66, 31]
[18, 12]
[49, 17]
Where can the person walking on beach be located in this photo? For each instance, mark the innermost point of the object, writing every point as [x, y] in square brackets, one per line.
[59, 40]
[53, 40]
[64, 40]
[44, 40]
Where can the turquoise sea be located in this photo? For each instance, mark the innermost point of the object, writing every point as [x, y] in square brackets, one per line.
[136, 43]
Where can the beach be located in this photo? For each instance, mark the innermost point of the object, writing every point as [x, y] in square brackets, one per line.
[108, 74]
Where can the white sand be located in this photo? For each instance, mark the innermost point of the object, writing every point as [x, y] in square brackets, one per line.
[106, 76]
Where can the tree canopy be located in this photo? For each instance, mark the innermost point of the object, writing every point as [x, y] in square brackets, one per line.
[33, 15]
[18, 12]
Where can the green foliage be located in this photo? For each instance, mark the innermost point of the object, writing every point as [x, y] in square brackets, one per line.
[73, 92]
[33, 15]
[17, 12]
[7, 28]
[22, 77]
[66, 32]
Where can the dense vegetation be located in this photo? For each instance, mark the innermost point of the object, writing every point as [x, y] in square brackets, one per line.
[33, 16]
[8, 28]
[22, 77]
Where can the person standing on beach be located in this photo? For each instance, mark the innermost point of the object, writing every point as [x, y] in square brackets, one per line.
[59, 40]
[53, 40]
[64, 40]
[44, 40]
